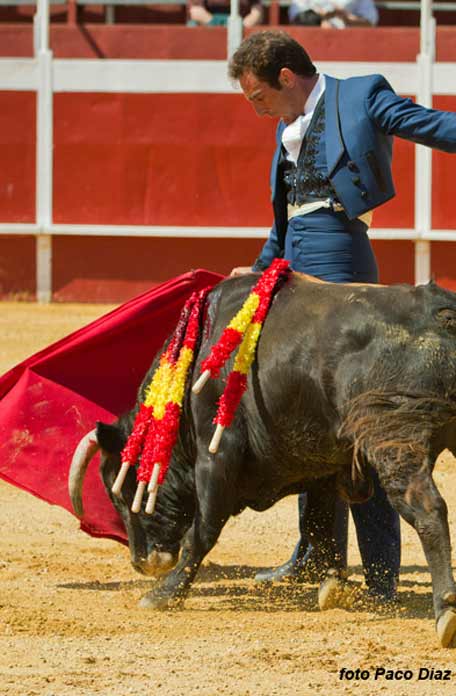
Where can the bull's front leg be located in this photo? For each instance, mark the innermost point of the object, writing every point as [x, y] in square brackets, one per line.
[215, 490]
[419, 502]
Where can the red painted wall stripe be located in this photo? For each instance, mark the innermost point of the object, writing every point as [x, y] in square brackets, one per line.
[17, 156]
[177, 160]
[172, 160]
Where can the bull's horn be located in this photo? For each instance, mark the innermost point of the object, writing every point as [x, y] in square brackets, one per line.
[83, 453]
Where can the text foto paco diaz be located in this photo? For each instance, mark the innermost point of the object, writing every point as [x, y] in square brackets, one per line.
[380, 673]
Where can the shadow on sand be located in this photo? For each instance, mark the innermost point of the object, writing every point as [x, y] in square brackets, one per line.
[232, 586]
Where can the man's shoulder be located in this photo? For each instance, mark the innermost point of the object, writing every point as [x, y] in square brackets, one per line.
[360, 83]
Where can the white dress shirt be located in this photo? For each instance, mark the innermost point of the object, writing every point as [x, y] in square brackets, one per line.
[292, 137]
[294, 133]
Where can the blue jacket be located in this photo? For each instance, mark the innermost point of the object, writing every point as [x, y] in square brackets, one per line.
[362, 115]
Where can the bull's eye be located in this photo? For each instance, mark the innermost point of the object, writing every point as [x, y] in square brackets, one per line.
[447, 317]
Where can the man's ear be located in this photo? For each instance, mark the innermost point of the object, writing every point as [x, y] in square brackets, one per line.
[287, 77]
[110, 438]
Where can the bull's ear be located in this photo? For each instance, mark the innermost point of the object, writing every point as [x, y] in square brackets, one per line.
[110, 438]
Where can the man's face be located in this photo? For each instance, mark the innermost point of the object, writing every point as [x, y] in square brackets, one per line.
[267, 100]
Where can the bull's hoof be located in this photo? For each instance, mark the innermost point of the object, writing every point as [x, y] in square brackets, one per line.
[331, 591]
[446, 629]
[160, 601]
[157, 564]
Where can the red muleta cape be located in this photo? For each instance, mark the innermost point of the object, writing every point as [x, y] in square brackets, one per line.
[49, 401]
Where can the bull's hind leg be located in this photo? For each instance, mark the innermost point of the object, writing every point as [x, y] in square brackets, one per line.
[319, 529]
[215, 488]
[419, 502]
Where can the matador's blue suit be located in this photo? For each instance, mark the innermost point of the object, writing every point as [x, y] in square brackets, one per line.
[345, 160]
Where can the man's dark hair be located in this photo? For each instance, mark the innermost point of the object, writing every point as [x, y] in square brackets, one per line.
[265, 53]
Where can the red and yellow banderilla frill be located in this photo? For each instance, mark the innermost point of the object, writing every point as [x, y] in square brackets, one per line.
[245, 330]
[156, 424]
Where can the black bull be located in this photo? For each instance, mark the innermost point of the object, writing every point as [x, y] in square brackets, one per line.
[345, 376]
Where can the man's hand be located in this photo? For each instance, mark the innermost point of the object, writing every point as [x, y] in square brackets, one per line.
[241, 270]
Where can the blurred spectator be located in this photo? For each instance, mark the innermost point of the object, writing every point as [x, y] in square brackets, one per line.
[216, 12]
[333, 15]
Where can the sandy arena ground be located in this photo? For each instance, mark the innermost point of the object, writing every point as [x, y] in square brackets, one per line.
[70, 622]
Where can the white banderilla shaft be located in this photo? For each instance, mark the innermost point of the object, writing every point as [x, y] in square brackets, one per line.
[120, 478]
[153, 489]
[217, 436]
[136, 506]
[201, 381]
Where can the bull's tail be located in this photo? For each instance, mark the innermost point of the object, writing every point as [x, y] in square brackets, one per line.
[391, 426]
[355, 484]
[156, 426]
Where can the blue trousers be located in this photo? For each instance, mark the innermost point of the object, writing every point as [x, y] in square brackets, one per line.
[331, 247]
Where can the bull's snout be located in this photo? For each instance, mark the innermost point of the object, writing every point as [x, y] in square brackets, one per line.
[157, 563]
